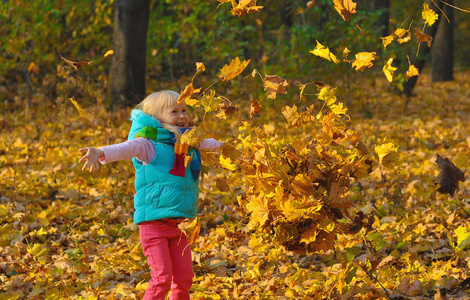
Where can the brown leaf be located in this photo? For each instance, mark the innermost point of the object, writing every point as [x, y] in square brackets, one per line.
[423, 37]
[449, 176]
[274, 84]
[409, 288]
[75, 64]
[255, 108]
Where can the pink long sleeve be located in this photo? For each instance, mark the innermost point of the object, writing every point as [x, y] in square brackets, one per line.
[210, 144]
[140, 148]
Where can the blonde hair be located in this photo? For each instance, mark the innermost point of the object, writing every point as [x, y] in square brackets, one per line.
[156, 103]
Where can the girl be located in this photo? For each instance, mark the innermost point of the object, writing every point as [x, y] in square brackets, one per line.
[166, 190]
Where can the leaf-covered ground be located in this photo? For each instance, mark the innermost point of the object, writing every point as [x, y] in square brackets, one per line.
[65, 233]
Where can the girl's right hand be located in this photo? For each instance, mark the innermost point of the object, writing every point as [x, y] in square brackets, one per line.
[91, 158]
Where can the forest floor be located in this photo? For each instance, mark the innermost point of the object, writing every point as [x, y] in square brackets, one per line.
[66, 233]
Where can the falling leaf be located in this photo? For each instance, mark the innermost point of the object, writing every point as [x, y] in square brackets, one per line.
[226, 163]
[311, 3]
[109, 52]
[345, 8]
[200, 66]
[225, 111]
[403, 35]
[77, 106]
[389, 70]
[233, 69]
[412, 71]
[387, 40]
[324, 52]
[191, 230]
[423, 37]
[429, 15]
[186, 93]
[364, 60]
[255, 108]
[274, 85]
[449, 176]
[328, 95]
[243, 7]
[388, 154]
[74, 64]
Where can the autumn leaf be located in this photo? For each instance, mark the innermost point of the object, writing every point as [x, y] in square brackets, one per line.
[225, 111]
[74, 64]
[328, 95]
[244, 7]
[255, 108]
[186, 93]
[412, 71]
[211, 102]
[403, 35]
[81, 112]
[345, 8]
[192, 137]
[274, 85]
[324, 52]
[226, 163]
[294, 118]
[389, 70]
[259, 210]
[429, 15]
[423, 37]
[449, 176]
[200, 66]
[109, 52]
[364, 60]
[387, 40]
[233, 69]
[388, 154]
[410, 288]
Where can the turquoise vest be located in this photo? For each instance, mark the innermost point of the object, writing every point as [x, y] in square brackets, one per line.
[159, 194]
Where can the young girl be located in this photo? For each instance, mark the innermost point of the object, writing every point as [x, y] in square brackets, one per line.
[166, 190]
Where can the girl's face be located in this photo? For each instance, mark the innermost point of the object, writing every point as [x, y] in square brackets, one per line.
[176, 116]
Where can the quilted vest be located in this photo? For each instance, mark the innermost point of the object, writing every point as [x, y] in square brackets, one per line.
[159, 194]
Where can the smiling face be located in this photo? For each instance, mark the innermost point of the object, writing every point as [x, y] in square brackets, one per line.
[175, 116]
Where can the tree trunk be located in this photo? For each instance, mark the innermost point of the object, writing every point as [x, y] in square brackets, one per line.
[419, 60]
[442, 52]
[129, 45]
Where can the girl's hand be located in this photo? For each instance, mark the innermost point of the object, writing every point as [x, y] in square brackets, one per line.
[91, 158]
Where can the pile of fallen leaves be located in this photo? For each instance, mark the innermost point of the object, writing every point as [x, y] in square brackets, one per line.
[69, 234]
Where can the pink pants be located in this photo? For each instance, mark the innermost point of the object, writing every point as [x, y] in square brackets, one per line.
[169, 255]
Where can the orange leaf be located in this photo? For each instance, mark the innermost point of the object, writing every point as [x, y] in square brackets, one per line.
[186, 93]
[234, 69]
[225, 111]
[274, 84]
[345, 8]
[255, 108]
[363, 60]
[412, 71]
[200, 66]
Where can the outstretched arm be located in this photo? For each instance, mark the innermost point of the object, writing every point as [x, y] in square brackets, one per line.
[92, 158]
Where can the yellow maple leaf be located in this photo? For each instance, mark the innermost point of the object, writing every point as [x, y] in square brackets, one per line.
[338, 109]
[233, 69]
[274, 85]
[387, 40]
[324, 52]
[328, 95]
[412, 71]
[403, 35]
[192, 137]
[226, 163]
[259, 210]
[244, 7]
[363, 60]
[388, 70]
[388, 154]
[200, 66]
[109, 52]
[81, 112]
[257, 244]
[429, 15]
[345, 8]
